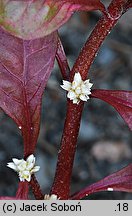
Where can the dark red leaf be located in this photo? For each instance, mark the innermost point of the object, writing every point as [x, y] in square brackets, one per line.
[120, 100]
[118, 181]
[25, 67]
[62, 61]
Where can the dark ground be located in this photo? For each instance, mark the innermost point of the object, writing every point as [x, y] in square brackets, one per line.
[104, 144]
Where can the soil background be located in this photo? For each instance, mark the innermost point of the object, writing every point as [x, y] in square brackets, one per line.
[105, 141]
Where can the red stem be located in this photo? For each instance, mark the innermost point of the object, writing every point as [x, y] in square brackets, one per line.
[36, 188]
[22, 191]
[66, 154]
[61, 184]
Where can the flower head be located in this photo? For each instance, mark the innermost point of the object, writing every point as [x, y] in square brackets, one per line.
[24, 168]
[77, 90]
[50, 197]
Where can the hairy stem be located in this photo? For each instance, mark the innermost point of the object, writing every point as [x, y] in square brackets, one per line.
[61, 184]
[67, 151]
[36, 188]
[22, 191]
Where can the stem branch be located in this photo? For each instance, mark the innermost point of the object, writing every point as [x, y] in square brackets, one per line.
[61, 184]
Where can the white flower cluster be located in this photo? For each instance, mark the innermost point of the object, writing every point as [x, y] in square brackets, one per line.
[25, 168]
[50, 197]
[77, 90]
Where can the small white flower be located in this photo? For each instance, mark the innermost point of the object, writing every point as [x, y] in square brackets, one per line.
[25, 175]
[77, 90]
[24, 168]
[50, 197]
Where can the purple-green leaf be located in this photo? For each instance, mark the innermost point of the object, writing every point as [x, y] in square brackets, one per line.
[34, 19]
